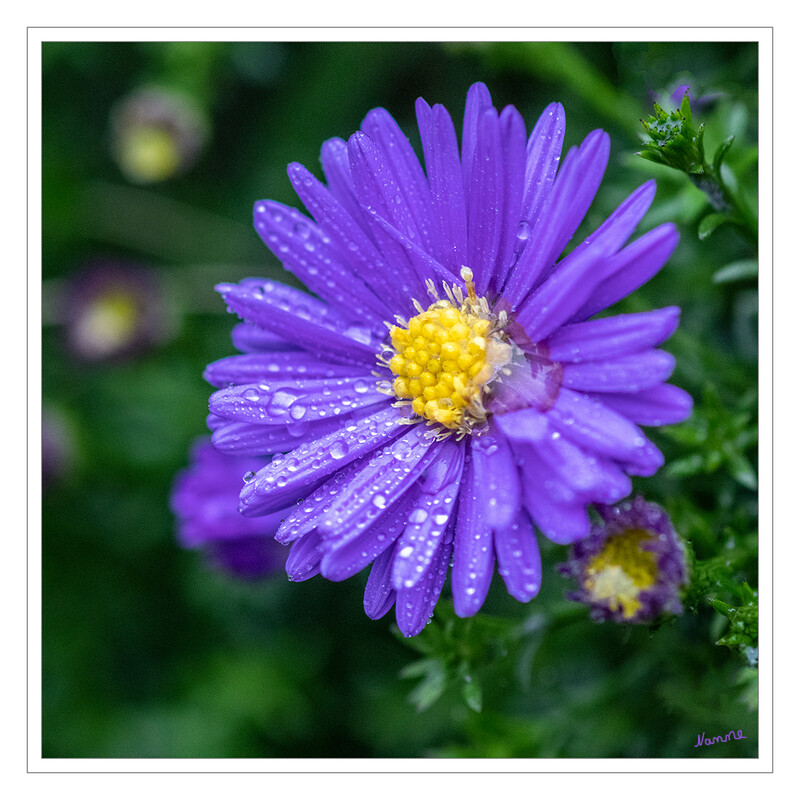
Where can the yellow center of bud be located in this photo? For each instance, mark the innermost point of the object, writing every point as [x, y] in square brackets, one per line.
[446, 355]
[620, 571]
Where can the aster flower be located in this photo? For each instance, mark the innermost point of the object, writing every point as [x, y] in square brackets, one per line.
[112, 310]
[491, 404]
[156, 133]
[205, 501]
[632, 567]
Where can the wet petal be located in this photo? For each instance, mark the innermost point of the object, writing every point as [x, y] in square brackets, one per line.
[613, 336]
[428, 517]
[281, 365]
[307, 466]
[661, 405]
[518, 560]
[473, 560]
[631, 373]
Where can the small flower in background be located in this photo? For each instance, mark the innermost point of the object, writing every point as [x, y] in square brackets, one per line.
[492, 405]
[205, 501]
[632, 566]
[112, 310]
[157, 133]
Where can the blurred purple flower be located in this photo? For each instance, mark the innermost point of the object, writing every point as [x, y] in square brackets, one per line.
[114, 309]
[632, 567]
[205, 499]
[157, 133]
[495, 404]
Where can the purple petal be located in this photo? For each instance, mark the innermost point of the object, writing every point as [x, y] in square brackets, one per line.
[378, 192]
[306, 251]
[281, 365]
[246, 438]
[289, 401]
[427, 520]
[518, 559]
[443, 166]
[631, 268]
[473, 561]
[409, 179]
[304, 558]
[562, 523]
[379, 595]
[581, 475]
[485, 200]
[496, 479]
[381, 481]
[301, 471]
[661, 405]
[308, 513]
[613, 336]
[342, 560]
[336, 166]
[414, 606]
[512, 135]
[478, 99]
[543, 155]
[249, 338]
[302, 319]
[575, 187]
[631, 373]
[593, 425]
[563, 293]
[346, 232]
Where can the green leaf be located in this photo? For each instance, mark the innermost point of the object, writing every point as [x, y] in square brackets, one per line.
[472, 693]
[737, 271]
[742, 471]
[722, 151]
[710, 223]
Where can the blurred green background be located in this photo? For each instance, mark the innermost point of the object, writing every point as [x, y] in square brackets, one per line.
[147, 651]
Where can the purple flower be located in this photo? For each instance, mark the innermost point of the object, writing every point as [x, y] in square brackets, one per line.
[205, 502]
[157, 133]
[632, 567]
[492, 403]
[113, 310]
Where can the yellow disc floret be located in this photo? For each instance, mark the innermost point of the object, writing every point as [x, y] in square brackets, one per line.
[620, 571]
[446, 356]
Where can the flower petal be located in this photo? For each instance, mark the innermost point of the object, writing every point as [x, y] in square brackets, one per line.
[379, 595]
[518, 560]
[301, 471]
[282, 402]
[473, 560]
[610, 337]
[343, 559]
[443, 166]
[347, 233]
[380, 482]
[496, 479]
[631, 373]
[301, 320]
[575, 187]
[246, 438]
[661, 405]
[593, 425]
[306, 251]
[631, 268]
[304, 558]
[414, 605]
[428, 518]
[281, 365]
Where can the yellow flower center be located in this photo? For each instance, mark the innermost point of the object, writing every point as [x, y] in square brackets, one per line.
[446, 356]
[620, 571]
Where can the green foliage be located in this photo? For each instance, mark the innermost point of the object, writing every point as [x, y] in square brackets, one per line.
[147, 652]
